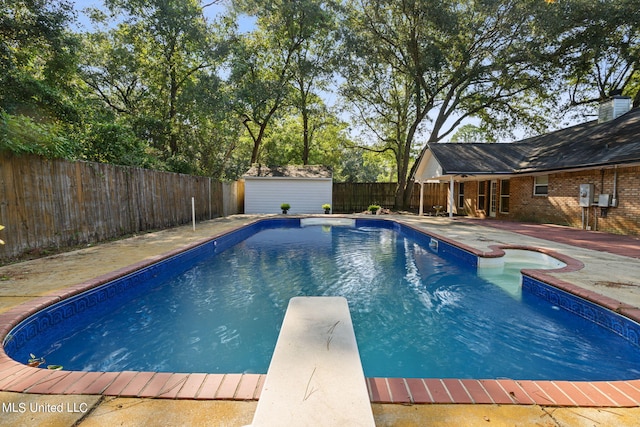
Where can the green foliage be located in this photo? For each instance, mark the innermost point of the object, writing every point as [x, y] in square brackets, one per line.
[373, 208]
[421, 68]
[154, 70]
[274, 65]
[114, 143]
[596, 46]
[156, 84]
[472, 133]
[37, 59]
[23, 135]
[357, 165]
[285, 206]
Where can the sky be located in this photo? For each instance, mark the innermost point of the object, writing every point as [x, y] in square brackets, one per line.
[211, 12]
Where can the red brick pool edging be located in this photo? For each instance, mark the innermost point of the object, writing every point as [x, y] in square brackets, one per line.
[16, 377]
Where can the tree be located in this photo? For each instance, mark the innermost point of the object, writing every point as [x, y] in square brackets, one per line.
[471, 133]
[266, 61]
[331, 140]
[358, 166]
[311, 71]
[37, 59]
[597, 46]
[419, 69]
[144, 66]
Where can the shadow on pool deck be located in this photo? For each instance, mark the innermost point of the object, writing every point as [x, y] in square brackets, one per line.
[31, 279]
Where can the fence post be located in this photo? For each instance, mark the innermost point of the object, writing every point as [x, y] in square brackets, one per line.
[193, 212]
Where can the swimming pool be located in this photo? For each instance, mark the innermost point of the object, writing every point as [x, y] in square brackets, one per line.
[425, 296]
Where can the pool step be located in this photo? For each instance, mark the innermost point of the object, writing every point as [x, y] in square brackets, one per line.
[315, 377]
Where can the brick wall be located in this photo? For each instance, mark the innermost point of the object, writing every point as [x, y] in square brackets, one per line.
[561, 205]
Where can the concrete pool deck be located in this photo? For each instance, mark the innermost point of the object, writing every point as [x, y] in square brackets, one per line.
[609, 274]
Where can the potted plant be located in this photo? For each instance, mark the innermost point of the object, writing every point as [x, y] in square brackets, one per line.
[327, 208]
[374, 209]
[285, 207]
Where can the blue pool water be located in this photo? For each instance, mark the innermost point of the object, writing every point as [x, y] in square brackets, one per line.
[415, 314]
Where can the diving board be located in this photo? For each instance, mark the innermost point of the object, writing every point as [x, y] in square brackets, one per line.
[315, 377]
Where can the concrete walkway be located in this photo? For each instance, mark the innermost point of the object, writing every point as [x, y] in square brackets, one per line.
[610, 274]
[628, 246]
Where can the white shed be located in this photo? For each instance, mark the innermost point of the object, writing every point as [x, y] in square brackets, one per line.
[305, 188]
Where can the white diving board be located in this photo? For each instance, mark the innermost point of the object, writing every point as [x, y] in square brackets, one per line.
[315, 377]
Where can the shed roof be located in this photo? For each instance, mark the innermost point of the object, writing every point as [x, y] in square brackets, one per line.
[308, 171]
[590, 144]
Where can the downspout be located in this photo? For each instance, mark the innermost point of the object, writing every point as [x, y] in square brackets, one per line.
[614, 201]
[451, 198]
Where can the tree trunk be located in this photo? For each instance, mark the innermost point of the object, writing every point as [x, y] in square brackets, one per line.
[173, 96]
[305, 137]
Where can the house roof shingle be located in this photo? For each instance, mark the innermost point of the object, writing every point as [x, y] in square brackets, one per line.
[589, 144]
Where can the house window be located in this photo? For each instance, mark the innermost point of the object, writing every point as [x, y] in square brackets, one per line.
[461, 195]
[504, 196]
[541, 185]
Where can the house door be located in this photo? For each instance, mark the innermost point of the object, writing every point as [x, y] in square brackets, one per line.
[493, 198]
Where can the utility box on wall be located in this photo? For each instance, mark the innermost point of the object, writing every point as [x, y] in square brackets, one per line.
[604, 200]
[586, 195]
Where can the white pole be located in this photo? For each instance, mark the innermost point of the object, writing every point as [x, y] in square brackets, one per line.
[421, 212]
[451, 188]
[193, 212]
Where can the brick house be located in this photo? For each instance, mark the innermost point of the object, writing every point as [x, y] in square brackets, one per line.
[585, 176]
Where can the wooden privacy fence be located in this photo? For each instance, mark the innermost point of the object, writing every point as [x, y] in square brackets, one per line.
[54, 203]
[351, 197]
[435, 194]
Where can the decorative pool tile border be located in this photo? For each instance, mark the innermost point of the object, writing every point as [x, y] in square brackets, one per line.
[445, 247]
[614, 322]
[16, 377]
[100, 299]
